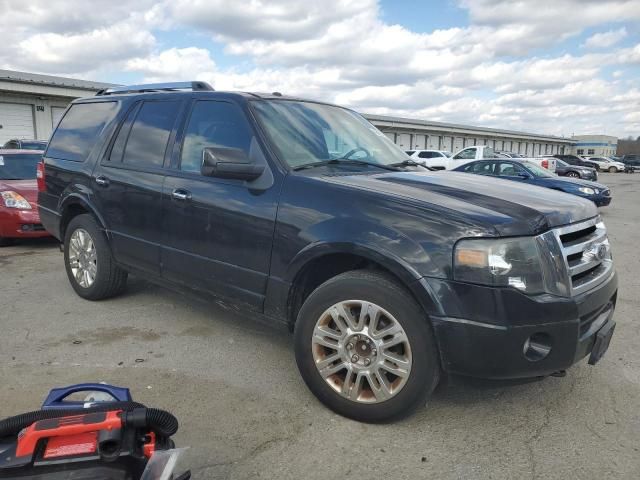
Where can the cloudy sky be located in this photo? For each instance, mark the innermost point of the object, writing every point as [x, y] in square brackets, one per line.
[551, 66]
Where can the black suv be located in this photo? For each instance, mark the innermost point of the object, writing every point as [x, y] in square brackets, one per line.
[577, 161]
[307, 214]
[632, 162]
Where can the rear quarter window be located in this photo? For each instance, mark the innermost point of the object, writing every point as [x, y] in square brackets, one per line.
[79, 130]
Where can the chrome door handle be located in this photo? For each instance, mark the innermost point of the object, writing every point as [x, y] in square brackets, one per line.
[102, 181]
[180, 194]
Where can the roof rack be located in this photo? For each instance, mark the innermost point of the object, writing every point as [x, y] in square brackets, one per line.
[158, 87]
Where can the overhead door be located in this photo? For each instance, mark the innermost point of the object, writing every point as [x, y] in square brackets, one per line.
[403, 140]
[16, 121]
[419, 142]
[458, 144]
[56, 115]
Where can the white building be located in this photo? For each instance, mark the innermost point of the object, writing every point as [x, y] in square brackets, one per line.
[411, 134]
[31, 104]
[595, 145]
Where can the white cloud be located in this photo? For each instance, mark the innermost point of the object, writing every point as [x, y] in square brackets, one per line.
[605, 39]
[497, 71]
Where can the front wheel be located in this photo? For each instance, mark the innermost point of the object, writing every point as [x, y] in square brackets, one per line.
[90, 267]
[365, 348]
[613, 170]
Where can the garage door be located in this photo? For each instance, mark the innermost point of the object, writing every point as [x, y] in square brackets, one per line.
[458, 144]
[16, 121]
[403, 140]
[56, 115]
[419, 142]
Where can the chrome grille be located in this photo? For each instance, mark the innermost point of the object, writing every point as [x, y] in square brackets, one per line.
[587, 254]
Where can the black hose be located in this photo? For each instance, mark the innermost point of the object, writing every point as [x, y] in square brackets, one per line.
[11, 426]
[159, 421]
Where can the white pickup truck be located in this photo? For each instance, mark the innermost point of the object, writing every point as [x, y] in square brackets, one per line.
[479, 152]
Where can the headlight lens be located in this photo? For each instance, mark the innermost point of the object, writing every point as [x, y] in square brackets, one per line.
[507, 262]
[587, 190]
[15, 200]
[532, 265]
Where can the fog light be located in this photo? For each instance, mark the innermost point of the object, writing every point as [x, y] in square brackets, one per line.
[537, 346]
[26, 228]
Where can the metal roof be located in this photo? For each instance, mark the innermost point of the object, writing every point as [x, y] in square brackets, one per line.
[52, 81]
[410, 122]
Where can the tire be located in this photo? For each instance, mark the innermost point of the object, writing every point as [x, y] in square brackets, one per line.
[108, 279]
[613, 170]
[358, 288]
[573, 175]
[6, 242]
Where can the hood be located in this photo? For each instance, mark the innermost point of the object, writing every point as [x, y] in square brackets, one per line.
[27, 188]
[502, 207]
[578, 182]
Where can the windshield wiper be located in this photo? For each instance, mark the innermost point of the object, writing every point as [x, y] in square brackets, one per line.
[344, 161]
[409, 163]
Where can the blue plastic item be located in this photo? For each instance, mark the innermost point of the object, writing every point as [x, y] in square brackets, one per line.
[55, 399]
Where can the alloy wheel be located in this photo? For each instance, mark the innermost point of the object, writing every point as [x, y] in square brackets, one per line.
[83, 259]
[361, 351]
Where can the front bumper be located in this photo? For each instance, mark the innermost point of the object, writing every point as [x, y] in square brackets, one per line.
[15, 223]
[486, 338]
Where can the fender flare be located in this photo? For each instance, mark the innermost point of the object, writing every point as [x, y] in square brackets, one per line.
[75, 198]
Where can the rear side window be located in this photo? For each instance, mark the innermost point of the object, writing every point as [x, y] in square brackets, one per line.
[149, 135]
[79, 130]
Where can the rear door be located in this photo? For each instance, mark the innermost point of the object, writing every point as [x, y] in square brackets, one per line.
[129, 179]
[218, 232]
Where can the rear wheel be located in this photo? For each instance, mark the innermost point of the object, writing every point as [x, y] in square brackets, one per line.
[613, 170]
[90, 267]
[365, 348]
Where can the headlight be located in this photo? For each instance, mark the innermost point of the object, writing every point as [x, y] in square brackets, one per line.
[15, 200]
[587, 190]
[529, 264]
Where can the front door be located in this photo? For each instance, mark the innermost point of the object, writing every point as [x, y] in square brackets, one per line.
[218, 232]
[129, 183]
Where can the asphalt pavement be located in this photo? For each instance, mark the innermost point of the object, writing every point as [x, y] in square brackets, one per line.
[245, 412]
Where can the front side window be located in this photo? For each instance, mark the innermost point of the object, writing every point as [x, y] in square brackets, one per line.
[18, 167]
[508, 169]
[213, 124]
[539, 171]
[426, 155]
[468, 154]
[80, 129]
[149, 135]
[306, 133]
[480, 168]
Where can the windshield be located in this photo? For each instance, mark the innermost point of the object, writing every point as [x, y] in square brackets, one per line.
[447, 154]
[305, 133]
[18, 167]
[538, 171]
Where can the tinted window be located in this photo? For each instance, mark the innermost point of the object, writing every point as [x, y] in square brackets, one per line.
[121, 139]
[509, 169]
[213, 124]
[427, 155]
[466, 154]
[18, 167]
[34, 145]
[79, 130]
[480, 168]
[12, 145]
[149, 134]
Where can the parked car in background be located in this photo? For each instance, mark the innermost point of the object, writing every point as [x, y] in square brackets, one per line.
[631, 162]
[304, 213]
[21, 144]
[528, 172]
[576, 160]
[19, 217]
[565, 169]
[606, 164]
[511, 154]
[479, 152]
[435, 159]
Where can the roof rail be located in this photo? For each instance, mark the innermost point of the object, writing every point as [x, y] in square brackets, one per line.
[158, 87]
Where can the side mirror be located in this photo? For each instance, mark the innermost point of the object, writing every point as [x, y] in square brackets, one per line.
[222, 162]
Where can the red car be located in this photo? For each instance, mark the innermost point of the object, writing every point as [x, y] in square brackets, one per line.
[19, 216]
